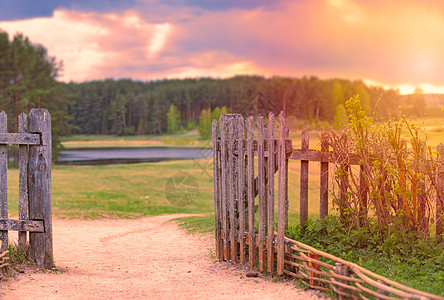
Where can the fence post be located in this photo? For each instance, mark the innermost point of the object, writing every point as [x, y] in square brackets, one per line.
[323, 205]
[216, 182]
[282, 195]
[303, 202]
[250, 193]
[39, 180]
[224, 202]
[261, 191]
[440, 196]
[3, 182]
[270, 189]
[240, 135]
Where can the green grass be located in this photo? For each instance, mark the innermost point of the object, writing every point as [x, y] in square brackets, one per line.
[126, 191]
[197, 224]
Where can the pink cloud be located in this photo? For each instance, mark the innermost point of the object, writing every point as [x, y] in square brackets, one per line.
[380, 41]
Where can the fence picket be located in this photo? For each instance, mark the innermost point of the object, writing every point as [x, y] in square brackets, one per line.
[241, 186]
[323, 205]
[270, 189]
[301, 261]
[216, 183]
[261, 191]
[282, 196]
[223, 154]
[23, 180]
[303, 202]
[250, 193]
[3, 181]
[232, 189]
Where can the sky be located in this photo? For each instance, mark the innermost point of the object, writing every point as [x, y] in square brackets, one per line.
[393, 43]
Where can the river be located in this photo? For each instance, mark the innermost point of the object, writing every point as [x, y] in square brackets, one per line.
[106, 156]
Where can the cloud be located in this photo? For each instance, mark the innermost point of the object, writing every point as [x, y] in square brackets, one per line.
[87, 42]
[379, 41]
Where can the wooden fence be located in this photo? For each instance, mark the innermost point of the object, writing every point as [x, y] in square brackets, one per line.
[34, 199]
[244, 168]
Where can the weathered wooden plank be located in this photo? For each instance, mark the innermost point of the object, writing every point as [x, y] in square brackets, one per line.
[303, 202]
[250, 192]
[21, 138]
[3, 181]
[323, 202]
[22, 225]
[231, 188]
[224, 165]
[270, 191]
[282, 195]
[440, 196]
[39, 181]
[288, 148]
[23, 179]
[261, 192]
[216, 189]
[241, 187]
[316, 155]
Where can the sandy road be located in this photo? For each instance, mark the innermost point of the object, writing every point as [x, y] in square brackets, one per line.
[148, 258]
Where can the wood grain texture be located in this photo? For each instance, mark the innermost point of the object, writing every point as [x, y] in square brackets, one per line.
[231, 189]
[251, 192]
[241, 186]
[303, 202]
[323, 197]
[216, 190]
[39, 181]
[22, 225]
[261, 192]
[224, 203]
[21, 138]
[23, 179]
[270, 192]
[3, 181]
[282, 196]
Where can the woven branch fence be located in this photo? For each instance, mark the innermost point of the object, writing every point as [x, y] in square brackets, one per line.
[244, 166]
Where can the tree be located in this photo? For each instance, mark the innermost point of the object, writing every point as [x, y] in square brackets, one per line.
[173, 119]
[205, 124]
[419, 102]
[28, 79]
[341, 118]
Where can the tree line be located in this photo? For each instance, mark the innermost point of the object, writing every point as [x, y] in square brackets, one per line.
[28, 78]
[125, 106]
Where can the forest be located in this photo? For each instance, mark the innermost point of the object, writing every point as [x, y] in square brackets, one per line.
[124, 107]
[28, 78]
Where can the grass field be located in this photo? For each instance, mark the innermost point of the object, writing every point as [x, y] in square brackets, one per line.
[135, 190]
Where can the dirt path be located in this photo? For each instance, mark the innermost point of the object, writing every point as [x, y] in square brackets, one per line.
[147, 258]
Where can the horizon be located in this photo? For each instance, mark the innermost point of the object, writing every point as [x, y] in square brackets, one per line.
[382, 44]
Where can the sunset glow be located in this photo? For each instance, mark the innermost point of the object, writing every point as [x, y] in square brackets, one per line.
[390, 43]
